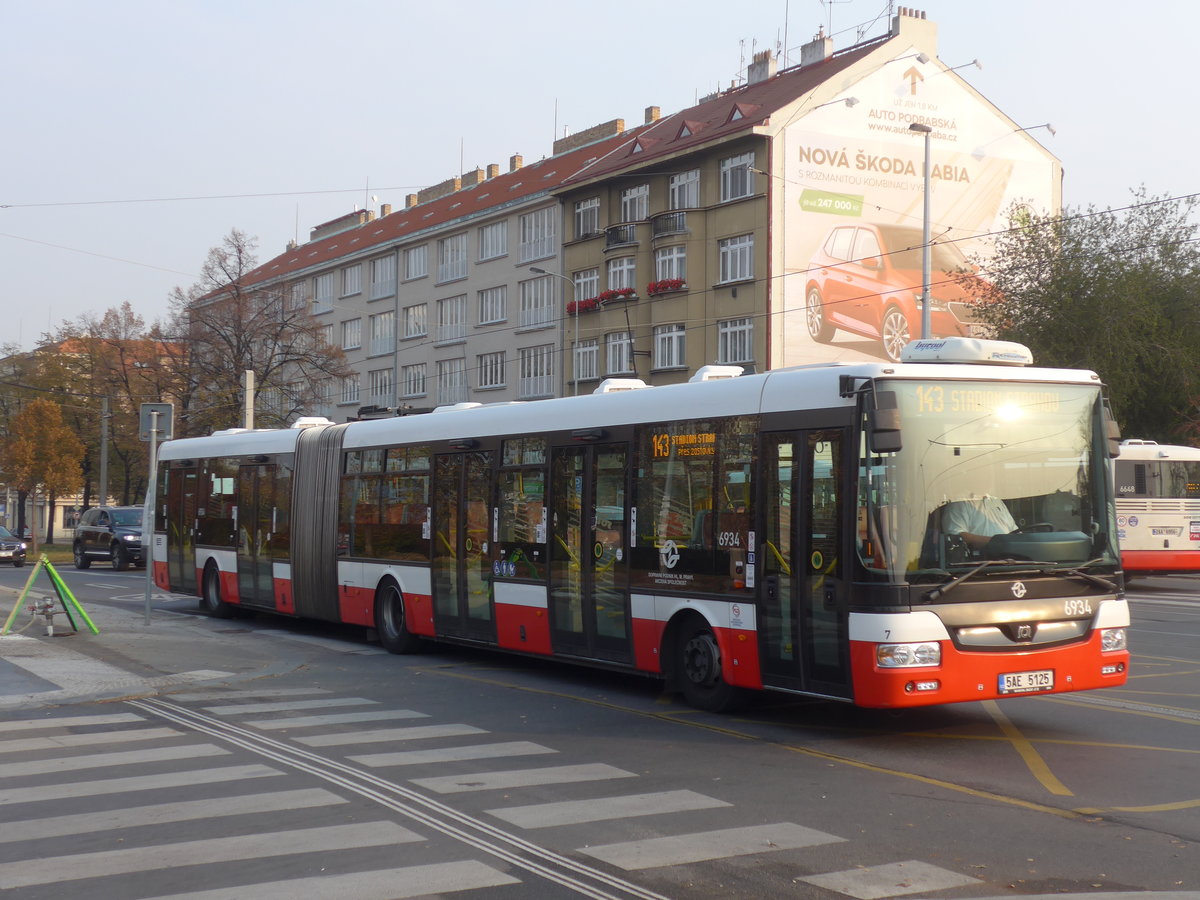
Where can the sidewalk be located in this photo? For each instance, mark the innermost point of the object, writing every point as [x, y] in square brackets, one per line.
[127, 658]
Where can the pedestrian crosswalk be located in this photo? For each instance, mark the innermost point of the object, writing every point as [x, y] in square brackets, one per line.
[283, 794]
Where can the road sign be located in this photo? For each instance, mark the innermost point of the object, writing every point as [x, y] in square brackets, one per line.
[165, 420]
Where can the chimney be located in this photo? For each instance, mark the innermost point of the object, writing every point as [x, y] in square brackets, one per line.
[515, 162]
[608, 129]
[819, 49]
[410, 200]
[762, 68]
[443, 189]
[913, 24]
[472, 178]
[653, 113]
[292, 245]
[492, 171]
[385, 210]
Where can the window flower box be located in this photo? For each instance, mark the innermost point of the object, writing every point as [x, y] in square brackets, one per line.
[599, 301]
[666, 286]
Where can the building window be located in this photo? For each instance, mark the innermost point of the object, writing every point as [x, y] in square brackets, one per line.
[351, 280]
[619, 352]
[670, 262]
[736, 178]
[452, 381]
[669, 347]
[587, 360]
[323, 300]
[352, 334]
[383, 333]
[491, 370]
[493, 240]
[415, 320]
[381, 387]
[737, 258]
[299, 295]
[587, 217]
[416, 263]
[622, 273]
[587, 284]
[683, 191]
[537, 303]
[493, 305]
[537, 372]
[452, 258]
[735, 341]
[350, 389]
[635, 203]
[539, 237]
[383, 277]
[325, 335]
[452, 318]
[413, 380]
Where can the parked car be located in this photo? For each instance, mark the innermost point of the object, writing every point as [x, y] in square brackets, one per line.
[12, 548]
[867, 279]
[109, 534]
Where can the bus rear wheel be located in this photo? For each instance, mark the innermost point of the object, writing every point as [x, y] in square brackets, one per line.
[389, 620]
[210, 595]
[698, 671]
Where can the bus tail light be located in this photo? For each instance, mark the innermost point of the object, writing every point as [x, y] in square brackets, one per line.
[1113, 639]
[898, 656]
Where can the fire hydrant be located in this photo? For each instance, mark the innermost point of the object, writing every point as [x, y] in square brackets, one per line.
[44, 606]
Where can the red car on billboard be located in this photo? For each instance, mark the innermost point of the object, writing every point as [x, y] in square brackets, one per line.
[866, 279]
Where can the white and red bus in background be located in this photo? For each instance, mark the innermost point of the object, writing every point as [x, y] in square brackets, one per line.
[1158, 508]
[784, 531]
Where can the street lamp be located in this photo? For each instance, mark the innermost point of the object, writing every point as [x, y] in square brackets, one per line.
[925, 248]
[575, 346]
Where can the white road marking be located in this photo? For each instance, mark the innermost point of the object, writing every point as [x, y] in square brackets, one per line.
[706, 845]
[576, 812]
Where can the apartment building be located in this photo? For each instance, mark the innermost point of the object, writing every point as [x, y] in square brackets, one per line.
[775, 223]
[439, 303]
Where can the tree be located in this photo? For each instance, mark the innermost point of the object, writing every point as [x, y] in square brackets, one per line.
[42, 452]
[1115, 291]
[225, 325]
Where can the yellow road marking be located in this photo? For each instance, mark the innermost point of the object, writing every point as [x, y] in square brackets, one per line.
[678, 717]
[1032, 758]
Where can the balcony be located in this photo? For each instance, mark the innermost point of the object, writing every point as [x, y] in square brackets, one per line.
[620, 236]
[674, 222]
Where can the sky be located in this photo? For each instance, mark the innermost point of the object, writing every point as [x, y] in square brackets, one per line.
[136, 134]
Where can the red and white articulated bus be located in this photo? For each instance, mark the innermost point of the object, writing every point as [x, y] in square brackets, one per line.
[1158, 508]
[805, 530]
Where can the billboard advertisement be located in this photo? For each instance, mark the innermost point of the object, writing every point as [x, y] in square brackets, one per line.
[853, 199]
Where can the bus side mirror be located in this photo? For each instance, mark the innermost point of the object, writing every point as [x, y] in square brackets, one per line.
[883, 423]
[1113, 433]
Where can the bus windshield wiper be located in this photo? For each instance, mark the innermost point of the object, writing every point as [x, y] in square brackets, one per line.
[938, 592]
[1068, 569]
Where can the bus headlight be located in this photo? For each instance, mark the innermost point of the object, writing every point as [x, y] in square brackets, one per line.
[1113, 639]
[897, 656]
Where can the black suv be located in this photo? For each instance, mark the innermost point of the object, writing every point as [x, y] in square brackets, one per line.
[109, 533]
[12, 548]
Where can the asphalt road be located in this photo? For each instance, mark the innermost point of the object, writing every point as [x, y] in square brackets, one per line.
[257, 757]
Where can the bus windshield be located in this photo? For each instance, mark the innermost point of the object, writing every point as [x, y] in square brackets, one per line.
[999, 472]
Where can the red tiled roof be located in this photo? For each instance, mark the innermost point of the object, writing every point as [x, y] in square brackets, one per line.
[534, 178]
[714, 118]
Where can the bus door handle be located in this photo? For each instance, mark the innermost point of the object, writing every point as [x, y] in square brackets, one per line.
[830, 597]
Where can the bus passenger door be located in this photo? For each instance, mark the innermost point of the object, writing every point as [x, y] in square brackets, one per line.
[589, 557]
[462, 566]
[181, 528]
[803, 639]
[256, 516]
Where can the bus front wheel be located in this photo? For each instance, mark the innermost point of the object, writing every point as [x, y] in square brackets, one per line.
[389, 621]
[698, 671]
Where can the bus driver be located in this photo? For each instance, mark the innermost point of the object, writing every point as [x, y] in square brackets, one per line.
[977, 519]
